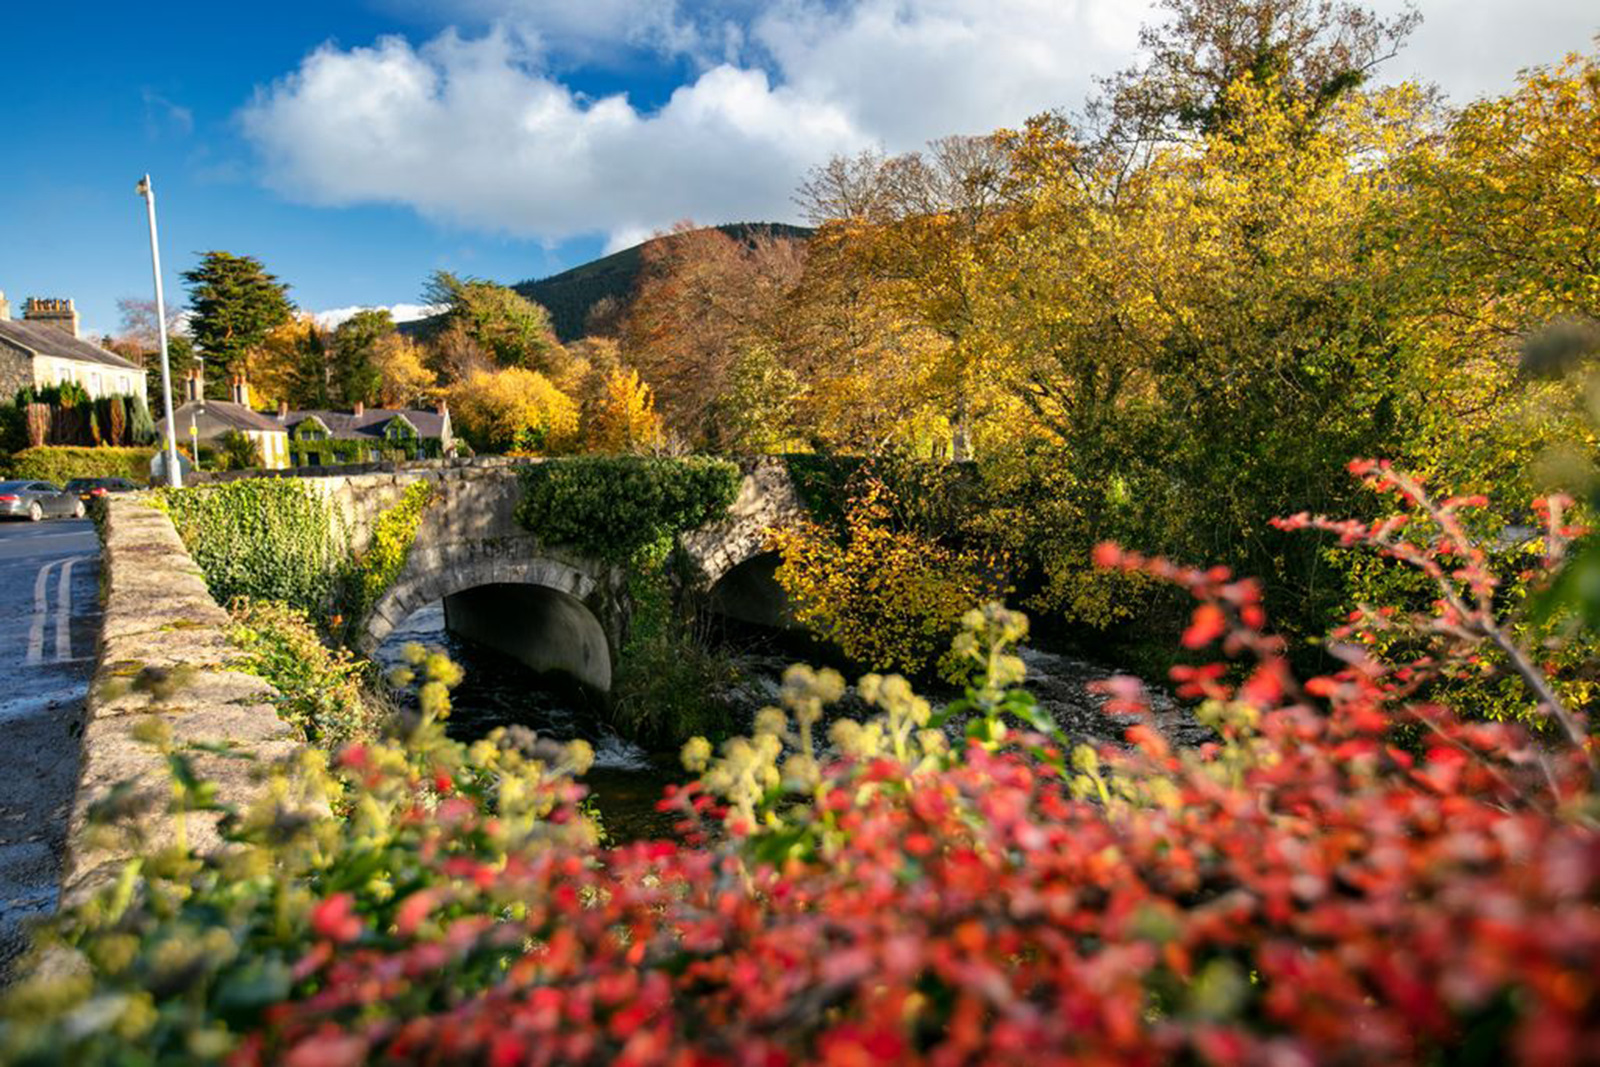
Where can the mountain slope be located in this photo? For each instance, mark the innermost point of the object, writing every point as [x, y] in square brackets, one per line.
[568, 296]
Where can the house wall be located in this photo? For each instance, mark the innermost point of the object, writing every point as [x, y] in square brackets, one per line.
[16, 371]
[274, 446]
[99, 379]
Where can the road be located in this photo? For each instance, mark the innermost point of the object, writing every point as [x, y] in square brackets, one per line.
[49, 622]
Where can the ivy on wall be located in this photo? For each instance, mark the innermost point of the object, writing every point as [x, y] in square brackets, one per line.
[632, 509]
[280, 540]
[392, 537]
[614, 507]
[266, 539]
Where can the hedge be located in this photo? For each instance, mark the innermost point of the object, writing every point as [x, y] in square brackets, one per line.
[616, 506]
[62, 463]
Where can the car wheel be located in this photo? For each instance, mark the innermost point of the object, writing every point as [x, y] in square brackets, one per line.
[78, 510]
[35, 512]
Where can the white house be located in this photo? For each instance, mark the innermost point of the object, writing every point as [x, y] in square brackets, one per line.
[43, 349]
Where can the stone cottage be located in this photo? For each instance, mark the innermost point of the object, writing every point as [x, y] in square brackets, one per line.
[43, 349]
[204, 423]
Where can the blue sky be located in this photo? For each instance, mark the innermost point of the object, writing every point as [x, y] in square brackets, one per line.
[356, 147]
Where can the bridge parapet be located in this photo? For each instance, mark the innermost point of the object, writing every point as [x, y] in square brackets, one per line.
[469, 538]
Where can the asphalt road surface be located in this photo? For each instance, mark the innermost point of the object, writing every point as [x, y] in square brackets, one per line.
[49, 622]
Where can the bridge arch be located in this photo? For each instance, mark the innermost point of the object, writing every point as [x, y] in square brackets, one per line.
[551, 613]
[748, 591]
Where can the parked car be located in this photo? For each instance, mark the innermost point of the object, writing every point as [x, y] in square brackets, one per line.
[38, 500]
[89, 489]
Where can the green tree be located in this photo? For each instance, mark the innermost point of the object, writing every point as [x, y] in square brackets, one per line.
[514, 330]
[234, 303]
[356, 374]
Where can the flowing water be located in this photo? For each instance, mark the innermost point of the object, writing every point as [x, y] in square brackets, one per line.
[626, 780]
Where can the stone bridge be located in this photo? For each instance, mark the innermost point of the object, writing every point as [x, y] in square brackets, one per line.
[549, 606]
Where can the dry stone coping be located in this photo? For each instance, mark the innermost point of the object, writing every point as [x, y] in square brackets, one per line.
[159, 614]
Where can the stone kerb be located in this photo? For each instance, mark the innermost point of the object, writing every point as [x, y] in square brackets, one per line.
[163, 653]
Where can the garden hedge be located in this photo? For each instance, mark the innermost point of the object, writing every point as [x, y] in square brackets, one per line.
[53, 463]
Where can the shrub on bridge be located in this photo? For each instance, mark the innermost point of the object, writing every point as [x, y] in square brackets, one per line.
[61, 464]
[616, 506]
[263, 539]
[320, 690]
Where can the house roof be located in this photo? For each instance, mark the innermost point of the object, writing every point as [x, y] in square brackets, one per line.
[53, 341]
[369, 425]
[214, 417]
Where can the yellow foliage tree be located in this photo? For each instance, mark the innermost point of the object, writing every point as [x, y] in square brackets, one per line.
[623, 418]
[405, 379]
[889, 597]
[513, 410]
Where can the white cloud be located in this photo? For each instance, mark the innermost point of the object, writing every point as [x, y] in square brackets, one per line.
[399, 312]
[477, 132]
[482, 132]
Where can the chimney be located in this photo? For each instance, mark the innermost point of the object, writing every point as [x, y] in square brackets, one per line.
[239, 390]
[283, 411]
[442, 407]
[51, 312]
[194, 386]
[361, 409]
[5, 308]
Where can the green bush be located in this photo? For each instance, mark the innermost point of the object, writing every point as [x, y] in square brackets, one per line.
[239, 452]
[265, 539]
[59, 464]
[616, 506]
[319, 690]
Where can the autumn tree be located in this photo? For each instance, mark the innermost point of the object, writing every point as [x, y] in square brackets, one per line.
[404, 379]
[510, 328]
[1307, 53]
[1498, 238]
[917, 225]
[138, 340]
[623, 416]
[233, 303]
[706, 304]
[294, 365]
[354, 373]
[513, 410]
[1195, 337]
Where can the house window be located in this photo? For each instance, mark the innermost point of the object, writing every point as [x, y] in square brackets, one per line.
[94, 384]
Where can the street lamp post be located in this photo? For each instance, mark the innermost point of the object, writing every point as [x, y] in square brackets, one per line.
[174, 476]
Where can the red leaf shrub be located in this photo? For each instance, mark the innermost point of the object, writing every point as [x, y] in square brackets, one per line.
[1299, 892]
[1305, 889]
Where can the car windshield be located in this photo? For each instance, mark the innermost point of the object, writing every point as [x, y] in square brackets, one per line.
[12, 487]
[83, 483]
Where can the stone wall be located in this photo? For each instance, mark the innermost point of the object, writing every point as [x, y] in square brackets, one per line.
[163, 652]
[16, 371]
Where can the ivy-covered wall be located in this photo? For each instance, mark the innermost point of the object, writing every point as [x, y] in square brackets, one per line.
[266, 539]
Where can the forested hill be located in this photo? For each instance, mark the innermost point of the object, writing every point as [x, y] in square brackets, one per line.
[568, 296]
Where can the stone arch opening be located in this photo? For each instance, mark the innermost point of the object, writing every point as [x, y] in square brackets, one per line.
[749, 592]
[550, 614]
[543, 628]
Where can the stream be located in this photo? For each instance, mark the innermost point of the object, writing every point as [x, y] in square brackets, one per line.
[626, 780]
